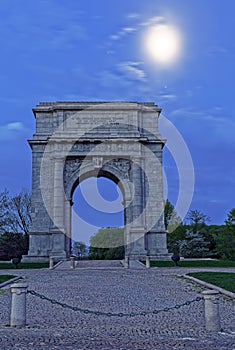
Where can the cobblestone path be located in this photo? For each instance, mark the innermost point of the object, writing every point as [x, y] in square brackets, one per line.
[113, 290]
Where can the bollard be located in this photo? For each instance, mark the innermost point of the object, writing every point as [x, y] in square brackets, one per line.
[147, 262]
[18, 304]
[72, 262]
[127, 262]
[51, 263]
[212, 316]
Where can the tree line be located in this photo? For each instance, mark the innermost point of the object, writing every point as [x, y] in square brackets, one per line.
[193, 239]
[196, 238]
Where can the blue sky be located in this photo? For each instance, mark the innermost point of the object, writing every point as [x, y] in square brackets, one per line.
[57, 50]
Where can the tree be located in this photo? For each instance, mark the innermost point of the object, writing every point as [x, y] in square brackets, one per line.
[197, 220]
[13, 245]
[15, 221]
[79, 249]
[230, 221]
[194, 246]
[108, 243]
[171, 218]
[15, 212]
[174, 239]
[4, 211]
[225, 240]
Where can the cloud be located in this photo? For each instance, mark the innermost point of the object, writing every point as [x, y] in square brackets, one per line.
[10, 130]
[123, 32]
[153, 21]
[132, 70]
[217, 50]
[16, 126]
[212, 114]
[212, 123]
[167, 97]
[133, 16]
[128, 30]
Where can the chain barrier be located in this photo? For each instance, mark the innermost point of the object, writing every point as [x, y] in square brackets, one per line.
[110, 314]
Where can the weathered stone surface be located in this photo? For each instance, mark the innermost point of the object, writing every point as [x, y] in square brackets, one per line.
[76, 140]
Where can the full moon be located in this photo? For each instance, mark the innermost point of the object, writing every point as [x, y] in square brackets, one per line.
[163, 43]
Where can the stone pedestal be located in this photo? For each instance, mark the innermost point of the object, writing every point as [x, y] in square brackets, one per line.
[18, 304]
[212, 316]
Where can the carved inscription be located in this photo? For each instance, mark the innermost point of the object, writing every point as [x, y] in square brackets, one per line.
[106, 147]
[78, 121]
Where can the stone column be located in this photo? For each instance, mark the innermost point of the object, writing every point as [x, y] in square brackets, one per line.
[59, 196]
[18, 304]
[137, 230]
[68, 228]
[156, 240]
[58, 232]
[212, 317]
[137, 206]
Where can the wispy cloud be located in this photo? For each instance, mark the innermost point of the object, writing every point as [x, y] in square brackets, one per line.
[132, 70]
[10, 130]
[167, 97]
[131, 29]
[211, 114]
[133, 15]
[153, 21]
[15, 126]
[123, 32]
[217, 50]
[212, 122]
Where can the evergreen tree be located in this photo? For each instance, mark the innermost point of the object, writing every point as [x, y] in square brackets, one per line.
[171, 218]
[225, 240]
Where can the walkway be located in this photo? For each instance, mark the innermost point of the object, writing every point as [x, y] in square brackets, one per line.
[114, 290]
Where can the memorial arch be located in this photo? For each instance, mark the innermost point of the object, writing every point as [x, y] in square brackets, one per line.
[77, 140]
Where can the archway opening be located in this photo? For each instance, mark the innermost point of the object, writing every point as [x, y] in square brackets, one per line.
[98, 219]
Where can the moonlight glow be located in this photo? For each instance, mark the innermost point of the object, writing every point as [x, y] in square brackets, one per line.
[163, 42]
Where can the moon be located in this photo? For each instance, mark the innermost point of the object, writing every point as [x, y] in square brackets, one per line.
[164, 43]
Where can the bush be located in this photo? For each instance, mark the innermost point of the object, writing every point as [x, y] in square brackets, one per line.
[13, 245]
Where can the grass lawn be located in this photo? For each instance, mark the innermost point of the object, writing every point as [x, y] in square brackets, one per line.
[224, 280]
[6, 266]
[4, 278]
[194, 263]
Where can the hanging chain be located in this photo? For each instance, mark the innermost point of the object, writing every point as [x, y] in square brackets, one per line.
[110, 314]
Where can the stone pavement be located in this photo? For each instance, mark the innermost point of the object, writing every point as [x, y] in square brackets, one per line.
[114, 289]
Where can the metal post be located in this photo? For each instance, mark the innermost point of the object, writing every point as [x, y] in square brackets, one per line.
[51, 263]
[212, 316]
[147, 262]
[72, 262]
[18, 304]
[127, 262]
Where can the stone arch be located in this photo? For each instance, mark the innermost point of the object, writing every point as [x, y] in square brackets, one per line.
[109, 171]
[118, 140]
